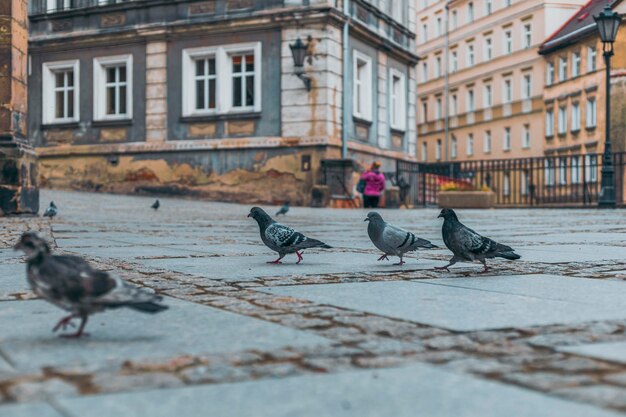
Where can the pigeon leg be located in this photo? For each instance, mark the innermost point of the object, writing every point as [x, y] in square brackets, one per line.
[383, 257]
[63, 323]
[277, 261]
[401, 262]
[299, 257]
[79, 333]
[486, 269]
[445, 268]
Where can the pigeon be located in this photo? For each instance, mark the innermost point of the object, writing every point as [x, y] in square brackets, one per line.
[156, 205]
[283, 210]
[467, 245]
[282, 239]
[51, 211]
[392, 240]
[71, 284]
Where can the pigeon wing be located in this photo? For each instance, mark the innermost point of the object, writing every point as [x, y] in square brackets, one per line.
[284, 236]
[397, 238]
[474, 243]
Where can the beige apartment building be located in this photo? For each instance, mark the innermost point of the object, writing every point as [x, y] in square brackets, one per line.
[483, 54]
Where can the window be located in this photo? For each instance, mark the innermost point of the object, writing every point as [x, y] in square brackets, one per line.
[562, 171]
[470, 144]
[591, 58]
[488, 7]
[550, 73]
[562, 120]
[454, 20]
[487, 142]
[113, 87]
[507, 3]
[506, 142]
[470, 55]
[58, 5]
[575, 170]
[470, 100]
[526, 137]
[591, 168]
[424, 71]
[470, 12]
[362, 86]
[562, 69]
[549, 123]
[60, 92]
[454, 61]
[438, 150]
[549, 172]
[453, 147]
[424, 151]
[527, 85]
[591, 113]
[396, 9]
[220, 80]
[506, 184]
[438, 68]
[454, 104]
[425, 111]
[439, 26]
[508, 42]
[424, 32]
[507, 91]
[527, 36]
[524, 181]
[576, 64]
[575, 117]
[488, 96]
[438, 109]
[397, 100]
[488, 52]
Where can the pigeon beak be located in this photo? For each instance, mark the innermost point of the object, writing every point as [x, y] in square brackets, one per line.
[366, 220]
[249, 214]
[441, 215]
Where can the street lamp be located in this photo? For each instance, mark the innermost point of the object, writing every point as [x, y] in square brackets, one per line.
[299, 52]
[608, 24]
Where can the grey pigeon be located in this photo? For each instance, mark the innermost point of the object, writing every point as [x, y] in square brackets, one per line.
[467, 245]
[283, 210]
[282, 239]
[156, 205]
[392, 240]
[51, 211]
[71, 284]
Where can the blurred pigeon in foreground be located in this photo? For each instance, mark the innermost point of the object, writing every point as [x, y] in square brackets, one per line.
[51, 211]
[282, 239]
[467, 245]
[283, 210]
[392, 240]
[70, 283]
[156, 205]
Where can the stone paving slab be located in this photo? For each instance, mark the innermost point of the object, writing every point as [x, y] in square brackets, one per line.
[613, 351]
[318, 262]
[570, 253]
[29, 410]
[417, 390]
[468, 304]
[186, 328]
[13, 279]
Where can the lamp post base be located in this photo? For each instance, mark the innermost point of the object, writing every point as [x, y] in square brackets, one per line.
[606, 199]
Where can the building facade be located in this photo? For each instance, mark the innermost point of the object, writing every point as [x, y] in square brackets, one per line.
[203, 97]
[481, 81]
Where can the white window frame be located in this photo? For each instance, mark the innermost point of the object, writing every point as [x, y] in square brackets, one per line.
[488, 7]
[438, 108]
[592, 58]
[397, 101]
[575, 117]
[591, 168]
[506, 184]
[424, 71]
[562, 171]
[367, 94]
[471, 100]
[471, 54]
[550, 73]
[488, 96]
[575, 64]
[507, 46]
[550, 122]
[549, 172]
[507, 90]
[48, 91]
[470, 144]
[562, 69]
[438, 150]
[424, 151]
[575, 169]
[488, 51]
[454, 20]
[453, 147]
[396, 10]
[592, 113]
[224, 89]
[506, 139]
[51, 6]
[526, 137]
[439, 26]
[527, 35]
[454, 105]
[454, 61]
[470, 12]
[487, 142]
[562, 120]
[438, 66]
[527, 86]
[99, 86]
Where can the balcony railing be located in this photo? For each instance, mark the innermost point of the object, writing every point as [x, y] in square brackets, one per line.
[38, 7]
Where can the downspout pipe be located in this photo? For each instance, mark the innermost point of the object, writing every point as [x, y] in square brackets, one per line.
[346, 79]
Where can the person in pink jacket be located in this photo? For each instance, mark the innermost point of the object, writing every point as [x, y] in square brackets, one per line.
[374, 186]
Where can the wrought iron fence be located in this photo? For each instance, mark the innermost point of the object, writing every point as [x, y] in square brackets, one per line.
[572, 180]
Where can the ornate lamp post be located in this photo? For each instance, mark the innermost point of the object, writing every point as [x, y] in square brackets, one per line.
[608, 24]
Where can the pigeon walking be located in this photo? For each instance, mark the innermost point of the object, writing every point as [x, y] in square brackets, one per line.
[283, 210]
[282, 239]
[392, 240]
[51, 211]
[71, 284]
[467, 245]
[156, 205]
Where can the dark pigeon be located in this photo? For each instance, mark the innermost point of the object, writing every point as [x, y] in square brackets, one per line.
[392, 240]
[156, 205]
[467, 245]
[283, 210]
[51, 211]
[282, 239]
[71, 284]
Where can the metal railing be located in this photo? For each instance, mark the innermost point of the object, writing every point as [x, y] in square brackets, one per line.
[55, 6]
[572, 180]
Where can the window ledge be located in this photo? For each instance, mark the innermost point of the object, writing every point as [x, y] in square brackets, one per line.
[64, 125]
[360, 121]
[549, 137]
[220, 117]
[575, 131]
[590, 128]
[113, 122]
[397, 131]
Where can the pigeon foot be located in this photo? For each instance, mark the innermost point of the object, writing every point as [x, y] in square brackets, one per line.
[384, 257]
[64, 323]
[276, 262]
[400, 263]
[76, 335]
[299, 257]
[442, 268]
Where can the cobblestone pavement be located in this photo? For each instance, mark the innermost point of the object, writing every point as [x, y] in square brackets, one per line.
[340, 334]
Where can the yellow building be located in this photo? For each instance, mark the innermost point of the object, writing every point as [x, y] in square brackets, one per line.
[483, 54]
